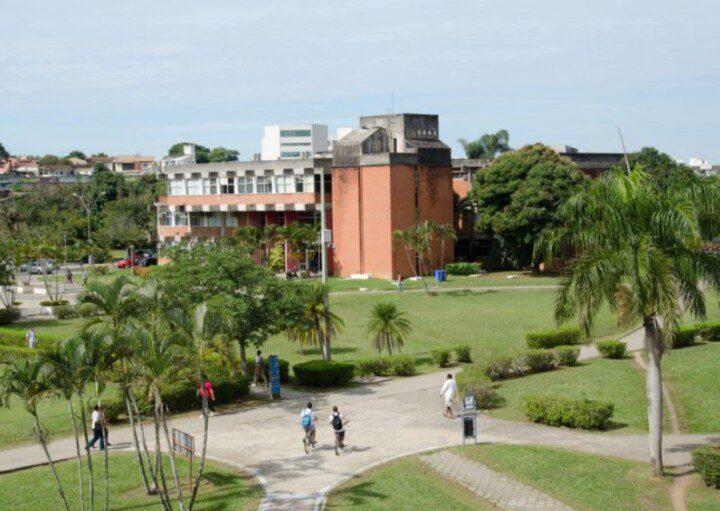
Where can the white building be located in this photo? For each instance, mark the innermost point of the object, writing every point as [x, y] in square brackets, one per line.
[293, 141]
[186, 158]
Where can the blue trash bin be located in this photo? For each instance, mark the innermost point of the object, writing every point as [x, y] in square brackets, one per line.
[440, 275]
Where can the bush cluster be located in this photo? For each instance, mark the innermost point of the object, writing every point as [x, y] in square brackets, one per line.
[532, 361]
[99, 269]
[322, 373]
[538, 361]
[685, 336]
[386, 366]
[8, 316]
[463, 268]
[462, 353]
[84, 310]
[53, 303]
[500, 368]
[9, 354]
[545, 339]
[567, 355]
[571, 413]
[284, 370]
[611, 349]
[143, 272]
[472, 380]
[706, 461]
[440, 356]
[709, 331]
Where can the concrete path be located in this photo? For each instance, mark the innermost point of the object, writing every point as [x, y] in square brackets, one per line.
[496, 488]
[635, 341]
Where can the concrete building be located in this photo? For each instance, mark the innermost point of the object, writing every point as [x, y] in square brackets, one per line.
[134, 165]
[590, 164]
[293, 141]
[186, 158]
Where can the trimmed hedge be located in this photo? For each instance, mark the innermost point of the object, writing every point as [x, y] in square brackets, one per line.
[538, 361]
[386, 366]
[463, 268]
[545, 339]
[322, 373]
[709, 331]
[8, 316]
[440, 356]
[571, 413]
[462, 353]
[685, 336]
[611, 349]
[706, 461]
[284, 370]
[500, 368]
[65, 311]
[472, 379]
[53, 303]
[9, 354]
[567, 355]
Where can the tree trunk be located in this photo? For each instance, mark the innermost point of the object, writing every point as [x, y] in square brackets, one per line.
[91, 474]
[41, 438]
[136, 443]
[153, 473]
[243, 358]
[163, 490]
[181, 500]
[654, 349]
[326, 348]
[201, 465]
[81, 486]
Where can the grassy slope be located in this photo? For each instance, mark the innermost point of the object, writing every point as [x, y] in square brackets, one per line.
[616, 381]
[583, 481]
[694, 376]
[403, 484]
[701, 498]
[33, 489]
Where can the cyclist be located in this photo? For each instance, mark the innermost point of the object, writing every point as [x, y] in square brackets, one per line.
[307, 419]
[336, 421]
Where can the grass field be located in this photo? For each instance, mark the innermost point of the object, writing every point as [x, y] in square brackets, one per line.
[29, 490]
[403, 484]
[701, 498]
[583, 481]
[46, 329]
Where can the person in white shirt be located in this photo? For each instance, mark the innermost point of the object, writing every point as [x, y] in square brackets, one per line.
[307, 421]
[97, 423]
[447, 392]
[30, 338]
[336, 421]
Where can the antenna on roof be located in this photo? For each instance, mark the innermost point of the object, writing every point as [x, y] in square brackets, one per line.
[622, 142]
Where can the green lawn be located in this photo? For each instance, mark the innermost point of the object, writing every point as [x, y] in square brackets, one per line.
[694, 377]
[701, 498]
[403, 484]
[46, 329]
[583, 481]
[222, 488]
[616, 381]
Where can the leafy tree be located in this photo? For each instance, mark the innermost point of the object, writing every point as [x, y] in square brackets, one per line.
[77, 154]
[388, 327]
[518, 196]
[317, 325]
[487, 146]
[219, 154]
[99, 155]
[4, 154]
[640, 249]
[202, 153]
[662, 168]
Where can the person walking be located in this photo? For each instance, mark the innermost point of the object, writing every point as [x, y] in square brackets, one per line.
[84, 277]
[68, 277]
[97, 424]
[206, 391]
[259, 370]
[447, 392]
[30, 338]
[399, 283]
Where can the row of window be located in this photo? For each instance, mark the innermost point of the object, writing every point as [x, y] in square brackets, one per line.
[295, 144]
[294, 133]
[286, 183]
[197, 219]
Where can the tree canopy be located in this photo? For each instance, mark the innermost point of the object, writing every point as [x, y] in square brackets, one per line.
[4, 154]
[77, 154]
[202, 153]
[518, 196]
[487, 146]
[219, 154]
[660, 167]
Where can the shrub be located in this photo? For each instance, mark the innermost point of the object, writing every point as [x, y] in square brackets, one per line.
[463, 268]
[571, 413]
[181, 396]
[386, 366]
[462, 352]
[86, 310]
[8, 316]
[65, 311]
[440, 356]
[685, 336]
[499, 368]
[546, 339]
[53, 303]
[538, 361]
[114, 408]
[404, 366]
[472, 379]
[611, 349]
[706, 461]
[227, 391]
[142, 271]
[284, 370]
[322, 373]
[709, 331]
[567, 355]
[9, 354]
[99, 269]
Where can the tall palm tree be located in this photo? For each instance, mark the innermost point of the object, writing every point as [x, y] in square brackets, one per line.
[488, 146]
[388, 327]
[318, 325]
[26, 380]
[115, 300]
[444, 233]
[641, 251]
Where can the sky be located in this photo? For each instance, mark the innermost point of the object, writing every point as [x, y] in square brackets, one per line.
[134, 77]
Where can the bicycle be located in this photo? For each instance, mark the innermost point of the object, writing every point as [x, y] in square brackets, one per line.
[307, 441]
[340, 444]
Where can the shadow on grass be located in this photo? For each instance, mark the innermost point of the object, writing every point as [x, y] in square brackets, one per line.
[469, 292]
[336, 350]
[219, 479]
[359, 494]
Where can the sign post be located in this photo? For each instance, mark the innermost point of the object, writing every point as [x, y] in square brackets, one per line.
[274, 370]
[469, 418]
[184, 444]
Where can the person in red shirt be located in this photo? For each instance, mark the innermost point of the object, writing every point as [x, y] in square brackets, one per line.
[206, 390]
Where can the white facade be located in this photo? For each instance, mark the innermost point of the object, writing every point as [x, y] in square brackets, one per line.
[293, 141]
[187, 158]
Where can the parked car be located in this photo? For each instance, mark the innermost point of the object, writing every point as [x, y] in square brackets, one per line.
[128, 262]
[39, 267]
[149, 260]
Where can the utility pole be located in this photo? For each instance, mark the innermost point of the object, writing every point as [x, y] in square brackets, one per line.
[88, 210]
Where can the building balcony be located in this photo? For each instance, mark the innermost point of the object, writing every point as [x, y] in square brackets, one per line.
[244, 202]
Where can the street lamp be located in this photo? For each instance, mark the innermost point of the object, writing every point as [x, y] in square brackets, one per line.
[88, 210]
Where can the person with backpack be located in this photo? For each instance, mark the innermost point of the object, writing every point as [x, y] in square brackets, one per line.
[307, 421]
[259, 370]
[336, 421]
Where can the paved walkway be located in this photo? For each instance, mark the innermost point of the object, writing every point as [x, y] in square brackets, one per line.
[496, 488]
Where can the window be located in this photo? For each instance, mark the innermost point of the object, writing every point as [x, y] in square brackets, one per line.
[177, 187]
[215, 220]
[210, 186]
[295, 144]
[279, 184]
[194, 186]
[227, 185]
[196, 220]
[264, 184]
[245, 184]
[294, 133]
[290, 154]
[300, 183]
[165, 219]
[231, 221]
[180, 219]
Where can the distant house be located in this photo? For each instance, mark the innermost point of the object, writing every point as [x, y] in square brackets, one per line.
[26, 165]
[187, 158]
[134, 165]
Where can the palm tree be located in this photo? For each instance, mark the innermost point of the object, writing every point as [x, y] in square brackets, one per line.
[26, 381]
[488, 146]
[640, 251]
[115, 300]
[444, 233]
[388, 327]
[318, 325]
